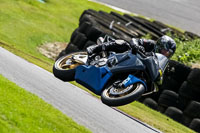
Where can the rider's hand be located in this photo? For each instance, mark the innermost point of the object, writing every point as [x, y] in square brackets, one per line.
[136, 48]
[141, 49]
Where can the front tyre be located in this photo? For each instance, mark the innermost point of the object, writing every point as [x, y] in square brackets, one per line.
[64, 67]
[113, 96]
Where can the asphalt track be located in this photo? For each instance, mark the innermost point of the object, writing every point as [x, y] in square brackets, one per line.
[71, 100]
[184, 14]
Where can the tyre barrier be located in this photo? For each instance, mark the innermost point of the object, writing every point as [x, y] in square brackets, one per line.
[174, 113]
[186, 120]
[175, 74]
[93, 24]
[188, 91]
[195, 125]
[168, 98]
[169, 83]
[193, 109]
[150, 103]
[178, 71]
[71, 48]
[191, 112]
[181, 84]
[194, 78]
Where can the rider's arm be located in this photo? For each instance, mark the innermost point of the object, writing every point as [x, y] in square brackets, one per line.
[115, 45]
[118, 46]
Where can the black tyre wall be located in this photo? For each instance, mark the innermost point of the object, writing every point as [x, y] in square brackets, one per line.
[188, 91]
[71, 48]
[79, 40]
[174, 113]
[168, 98]
[169, 83]
[178, 71]
[193, 109]
[88, 43]
[194, 77]
[195, 125]
[151, 103]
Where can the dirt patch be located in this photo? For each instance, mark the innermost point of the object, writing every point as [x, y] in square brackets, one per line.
[52, 50]
[196, 65]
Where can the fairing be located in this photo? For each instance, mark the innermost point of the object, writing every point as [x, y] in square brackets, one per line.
[94, 78]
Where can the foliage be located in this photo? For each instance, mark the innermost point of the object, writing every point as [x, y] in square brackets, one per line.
[187, 51]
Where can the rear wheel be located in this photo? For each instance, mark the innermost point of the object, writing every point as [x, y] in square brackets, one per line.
[64, 67]
[117, 96]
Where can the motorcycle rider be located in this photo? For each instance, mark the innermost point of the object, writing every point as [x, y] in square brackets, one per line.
[164, 45]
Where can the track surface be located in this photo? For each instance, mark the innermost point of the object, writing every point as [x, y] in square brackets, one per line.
[184, 14]
[71, 100]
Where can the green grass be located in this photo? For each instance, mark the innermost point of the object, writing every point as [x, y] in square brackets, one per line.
[27, 24]
[154, 118]
[21, 111]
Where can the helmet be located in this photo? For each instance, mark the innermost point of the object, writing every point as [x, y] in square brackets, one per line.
[166, 46]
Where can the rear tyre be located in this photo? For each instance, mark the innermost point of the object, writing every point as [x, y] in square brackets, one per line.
[113, 96]
[64, 67]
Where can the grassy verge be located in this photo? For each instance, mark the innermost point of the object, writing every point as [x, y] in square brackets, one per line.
[154, 118]
[21, 111]
[28, 24]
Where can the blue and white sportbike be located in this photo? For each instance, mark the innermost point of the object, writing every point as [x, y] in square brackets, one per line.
[120, 78]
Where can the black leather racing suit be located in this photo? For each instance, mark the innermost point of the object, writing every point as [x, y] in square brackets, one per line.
[119, 46]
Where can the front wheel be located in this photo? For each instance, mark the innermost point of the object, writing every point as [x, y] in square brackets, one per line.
[64, 67]
[114, 96]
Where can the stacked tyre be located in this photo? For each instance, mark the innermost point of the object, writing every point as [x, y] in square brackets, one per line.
[189, 96]
[192, 116]
[167, 98]
[93, 24]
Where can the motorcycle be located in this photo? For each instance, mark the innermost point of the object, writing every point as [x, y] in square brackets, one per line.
[119, 78]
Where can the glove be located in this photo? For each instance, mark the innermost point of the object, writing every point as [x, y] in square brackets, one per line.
[136, 48]
[141, 49]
